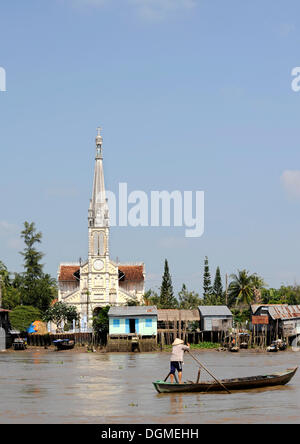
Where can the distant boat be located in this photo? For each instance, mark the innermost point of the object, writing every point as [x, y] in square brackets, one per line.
[273, 347]
[19, 344]
[282, 345]
[245, 383]
[64, 344]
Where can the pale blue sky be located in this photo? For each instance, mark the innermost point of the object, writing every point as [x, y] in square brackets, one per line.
[191, 95]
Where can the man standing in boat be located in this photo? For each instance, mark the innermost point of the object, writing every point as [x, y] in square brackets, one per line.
[177, 358]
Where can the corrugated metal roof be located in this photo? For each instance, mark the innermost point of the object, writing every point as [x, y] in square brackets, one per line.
[133, 311]
[255, 307]
[284, 311]
[214, 310]
[165, 314]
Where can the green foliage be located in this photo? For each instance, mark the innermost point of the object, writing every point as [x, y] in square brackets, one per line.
[241, 288]
[240, 317]
[218, 288]
[151, 298]
[205, 345]
[207, 288]
[61, 312]
[33, 287]
[132, 302]
[284, 295]
[32, 257]
[101, 321]
[11, 297]
[167, 298]
[37, 288]
[188, 300]
[22, 316]
[4, 275]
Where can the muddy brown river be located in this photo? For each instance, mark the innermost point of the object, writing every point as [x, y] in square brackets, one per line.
[70, 387]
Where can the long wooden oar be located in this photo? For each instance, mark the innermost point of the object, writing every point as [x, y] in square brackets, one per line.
[217, 380]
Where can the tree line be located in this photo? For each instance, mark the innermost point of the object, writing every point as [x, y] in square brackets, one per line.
[244, 288]
[32, 294]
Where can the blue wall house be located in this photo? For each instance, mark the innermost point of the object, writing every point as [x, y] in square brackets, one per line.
[130, 321]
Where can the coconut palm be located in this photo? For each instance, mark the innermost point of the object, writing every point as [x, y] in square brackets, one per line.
[258, 284]
[241, 287]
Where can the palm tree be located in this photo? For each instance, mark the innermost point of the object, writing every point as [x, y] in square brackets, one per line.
[258, 284]
[241, 288]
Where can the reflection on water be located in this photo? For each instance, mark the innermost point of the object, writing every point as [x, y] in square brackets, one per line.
[67, 387]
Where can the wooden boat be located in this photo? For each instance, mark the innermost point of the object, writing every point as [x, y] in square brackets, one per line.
[19, 344]
[64, 344]
[245, 383]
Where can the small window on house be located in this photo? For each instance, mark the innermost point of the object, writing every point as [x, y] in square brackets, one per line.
[148, 322]
[116, 322]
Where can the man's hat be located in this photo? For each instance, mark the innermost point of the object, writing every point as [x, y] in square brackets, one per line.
[178, 341]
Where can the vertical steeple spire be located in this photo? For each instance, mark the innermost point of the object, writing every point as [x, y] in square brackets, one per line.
[98, 210]
[99, 142]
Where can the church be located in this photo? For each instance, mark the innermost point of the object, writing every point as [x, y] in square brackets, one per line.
[99, 281]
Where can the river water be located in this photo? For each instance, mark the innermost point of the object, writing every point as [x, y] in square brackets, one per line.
[70, 387]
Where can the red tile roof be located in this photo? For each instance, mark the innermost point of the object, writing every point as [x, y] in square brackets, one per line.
[133, 273]
[66, 273]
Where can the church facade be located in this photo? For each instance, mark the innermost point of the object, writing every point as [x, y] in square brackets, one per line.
[99, 281]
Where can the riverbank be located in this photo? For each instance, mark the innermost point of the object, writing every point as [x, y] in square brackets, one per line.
[51, 349]
[204, 347]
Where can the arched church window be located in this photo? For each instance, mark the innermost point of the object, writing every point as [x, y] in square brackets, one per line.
[99, 244]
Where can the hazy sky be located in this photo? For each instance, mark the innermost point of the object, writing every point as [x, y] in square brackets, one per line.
[191, 95]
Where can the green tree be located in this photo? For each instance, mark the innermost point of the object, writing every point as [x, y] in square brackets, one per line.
[289, 294]
[11, 295]
[240, 289]
[132, 301]
[37, 288]
[22, 316]
[61, 312]
[167, 298]
[258, 284]
[188, 300]
[218, 288]
[4, 275]
[207, 288]
[101, 321]
[151, 298]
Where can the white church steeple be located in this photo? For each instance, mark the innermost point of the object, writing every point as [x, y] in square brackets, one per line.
[98, 210]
